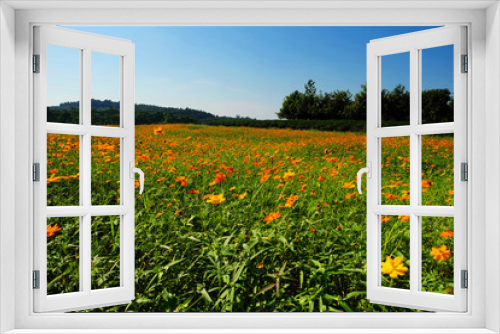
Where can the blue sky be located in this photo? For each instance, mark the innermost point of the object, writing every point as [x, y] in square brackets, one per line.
[243, 71]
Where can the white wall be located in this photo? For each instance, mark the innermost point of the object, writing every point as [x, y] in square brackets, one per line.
[492, 164]
[7, 162]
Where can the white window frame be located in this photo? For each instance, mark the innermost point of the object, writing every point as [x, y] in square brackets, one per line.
[414, 43]
[484, 50]
[86, 44]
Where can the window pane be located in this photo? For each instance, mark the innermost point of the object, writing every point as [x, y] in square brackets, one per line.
[63, 170]
[437, 84]
[437, 170]
[395, 95]
[437, 254]
[395, 171]
[105, 90]
[63, 84]
[105, 171]
[63, 254]
[395, 251]
[105, 252]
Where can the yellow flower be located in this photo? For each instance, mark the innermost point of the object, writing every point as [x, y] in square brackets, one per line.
[242, 196]
[394, 267]
[440, 254]
[216, 199]
[288, 176]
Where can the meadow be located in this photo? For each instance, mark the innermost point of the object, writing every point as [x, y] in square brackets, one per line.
[237, 219]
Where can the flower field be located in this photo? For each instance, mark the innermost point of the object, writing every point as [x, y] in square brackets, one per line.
[250, 220]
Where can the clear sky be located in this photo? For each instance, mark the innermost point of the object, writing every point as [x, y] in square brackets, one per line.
[243, 71]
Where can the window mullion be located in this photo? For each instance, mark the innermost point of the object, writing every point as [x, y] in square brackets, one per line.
[415, 158]
[86, 176]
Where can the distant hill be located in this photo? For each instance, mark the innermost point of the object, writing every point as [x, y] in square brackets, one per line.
[107, 112]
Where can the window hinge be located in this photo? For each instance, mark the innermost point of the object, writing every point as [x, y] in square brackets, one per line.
[465, 64]
[465, 279]
[36, 279]
[464, 172]
[36, 172]
[36, 63]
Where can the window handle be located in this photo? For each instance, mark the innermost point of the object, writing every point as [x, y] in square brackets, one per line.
[134, 170]
[368, 171]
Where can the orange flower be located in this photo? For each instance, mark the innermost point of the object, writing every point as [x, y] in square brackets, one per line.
[404, 218]
[321, 178]
[219, 177]
[183, 181]
[348, 196]
[426, 183]
[193, 191]
[406, 195]
[290, 201]
[54, 171]
[272, 216]
[158, 131]
[447, 233]
[264, 178]
[349, 185]
[260, 265]
[53, 178]
[390, 196]
[440, 254]
[51, 230]
[451, 192]
[385, 219]
[242, 196]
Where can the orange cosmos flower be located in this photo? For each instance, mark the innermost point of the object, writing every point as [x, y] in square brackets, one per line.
[385, 219]
[264, 178]
[426, 183]
[290, 201]
[158, 131]
[219, 177]
[404, 218]
[349, 185]
[447, 233]
[440, 254]
[321, 178]
[51, 230]
[216, 199]
[54, 171]
[242, 196]
[348, 196]
[406, 195]
[390, 196]
[53, 178]
[394, 267]
[183, 181]
[193, 191]
[272, 216]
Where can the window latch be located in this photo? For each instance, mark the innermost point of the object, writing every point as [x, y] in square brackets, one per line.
[134, 170]
[368, 171]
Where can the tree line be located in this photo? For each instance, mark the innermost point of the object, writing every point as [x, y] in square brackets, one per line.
[437, 105]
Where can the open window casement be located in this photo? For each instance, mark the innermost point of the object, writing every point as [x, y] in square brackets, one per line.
[79, 215]
[421, 213]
